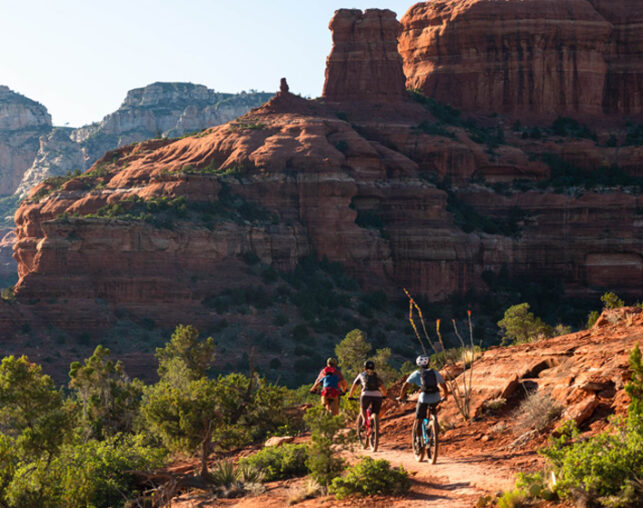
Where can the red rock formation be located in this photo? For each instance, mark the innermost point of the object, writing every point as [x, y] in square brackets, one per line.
[364, 64]
[534, 57]
[561, 367]
[359, 193]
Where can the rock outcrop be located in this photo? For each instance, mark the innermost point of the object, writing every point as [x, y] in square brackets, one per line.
[22, 122]
[527, 58]
[364, 64]
[580, 371]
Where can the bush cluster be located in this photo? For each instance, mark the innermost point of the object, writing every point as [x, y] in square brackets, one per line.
[371, 477]
[280, 462]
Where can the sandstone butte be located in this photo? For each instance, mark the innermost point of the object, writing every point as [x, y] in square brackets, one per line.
[319, 170]
[527, 58]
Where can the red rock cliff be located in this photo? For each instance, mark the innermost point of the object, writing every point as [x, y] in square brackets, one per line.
[364, 64]
[536, 57]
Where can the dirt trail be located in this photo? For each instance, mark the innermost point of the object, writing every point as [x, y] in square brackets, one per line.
[453, 482]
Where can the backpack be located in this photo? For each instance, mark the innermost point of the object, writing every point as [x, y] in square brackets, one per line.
[429, 381]
[330, 382]
[371, 382]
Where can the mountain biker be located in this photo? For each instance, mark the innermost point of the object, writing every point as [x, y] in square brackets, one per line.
[373, 389]
[428, 380]
[333, 385]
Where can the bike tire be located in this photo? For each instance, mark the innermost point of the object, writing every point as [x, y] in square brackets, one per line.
[417, 443]
[432, 445]
[374, 438]
[361, 432]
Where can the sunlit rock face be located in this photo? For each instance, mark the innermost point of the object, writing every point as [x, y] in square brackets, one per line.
[527, 57]
[364, 64]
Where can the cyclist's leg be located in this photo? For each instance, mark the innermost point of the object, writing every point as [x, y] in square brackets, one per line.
[420, 415]
[334, 406]
[327, 403]
[364, 402]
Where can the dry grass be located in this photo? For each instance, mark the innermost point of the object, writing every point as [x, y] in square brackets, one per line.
[310, 489]
[494, 404]
[537, 412]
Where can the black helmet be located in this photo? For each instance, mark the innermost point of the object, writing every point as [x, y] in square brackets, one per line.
[369, 365]
[331, 362]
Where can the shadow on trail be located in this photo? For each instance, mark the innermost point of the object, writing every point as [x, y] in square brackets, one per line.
[419, 488]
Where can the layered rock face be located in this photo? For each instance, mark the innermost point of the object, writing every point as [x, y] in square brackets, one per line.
[526, 57]
[22, 122]
[364, 63]
[624, 81]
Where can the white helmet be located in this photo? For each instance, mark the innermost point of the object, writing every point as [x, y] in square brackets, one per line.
[422, 361]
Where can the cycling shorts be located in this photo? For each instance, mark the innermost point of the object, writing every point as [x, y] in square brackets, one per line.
[374, 402]
[421, 409]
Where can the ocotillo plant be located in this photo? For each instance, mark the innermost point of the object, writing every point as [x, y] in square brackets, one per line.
[459, 386]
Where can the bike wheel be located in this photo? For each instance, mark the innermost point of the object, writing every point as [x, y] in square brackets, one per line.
[361, 432]
[432, 445]
[417, 442]
[374, 438]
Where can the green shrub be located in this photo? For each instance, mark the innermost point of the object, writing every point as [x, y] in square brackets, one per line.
[91, 473]
[611, 301]
[370, 477]
[279, 462]
[519, 325]
[324, 460]
[592, 317]
[607, 468]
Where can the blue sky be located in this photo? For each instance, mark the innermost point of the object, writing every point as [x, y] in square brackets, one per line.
[79, 57]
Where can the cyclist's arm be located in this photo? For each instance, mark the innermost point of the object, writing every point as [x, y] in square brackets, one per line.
[317, 382]
[403, 390]
[343, 385]
[383, 389]
[353, 387]
[445, 390]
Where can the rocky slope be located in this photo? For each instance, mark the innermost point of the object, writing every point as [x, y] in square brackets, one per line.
[397, 198]
[527, 58]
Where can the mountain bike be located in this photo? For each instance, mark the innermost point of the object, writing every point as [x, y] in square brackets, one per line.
[425, 439]
[368, 432]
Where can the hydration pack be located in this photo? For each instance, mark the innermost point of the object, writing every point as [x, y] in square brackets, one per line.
[371, 382]
[330, 379]
[429, 381]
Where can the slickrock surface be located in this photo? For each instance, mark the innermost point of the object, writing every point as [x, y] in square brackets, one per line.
[581, 371]
[537, 57]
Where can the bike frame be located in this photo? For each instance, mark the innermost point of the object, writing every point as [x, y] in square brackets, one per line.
[368, 422]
